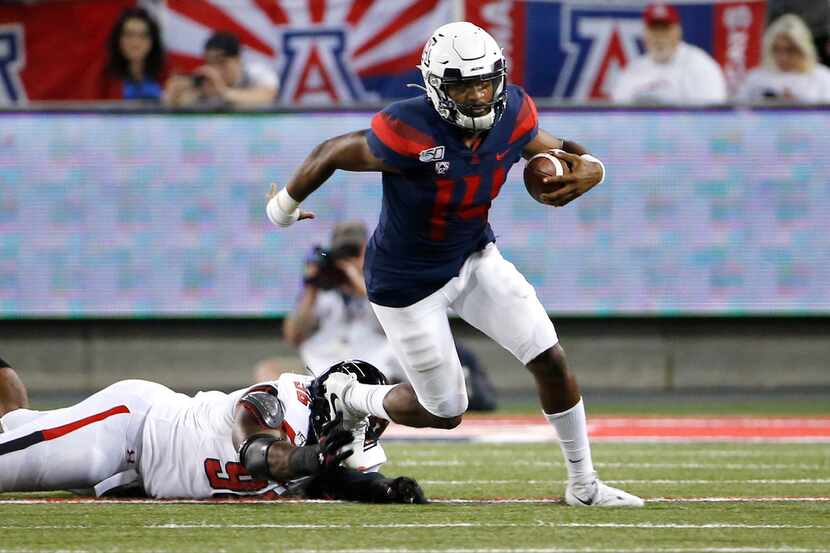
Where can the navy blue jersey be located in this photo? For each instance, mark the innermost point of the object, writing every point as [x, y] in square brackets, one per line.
[434, 213]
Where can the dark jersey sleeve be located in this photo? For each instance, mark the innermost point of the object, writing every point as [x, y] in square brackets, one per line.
[526, 126]
[396, 142]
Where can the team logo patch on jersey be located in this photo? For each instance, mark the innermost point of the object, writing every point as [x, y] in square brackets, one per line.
[432, 154]
[442, 167]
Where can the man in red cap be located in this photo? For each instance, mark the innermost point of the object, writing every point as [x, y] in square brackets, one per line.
[671, 71]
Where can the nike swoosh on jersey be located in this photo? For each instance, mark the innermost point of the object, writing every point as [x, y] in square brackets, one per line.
[500, 155]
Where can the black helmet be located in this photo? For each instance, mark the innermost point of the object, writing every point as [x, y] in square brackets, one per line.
[321, 411]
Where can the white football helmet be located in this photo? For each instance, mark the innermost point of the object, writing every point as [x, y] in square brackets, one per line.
[462, 52]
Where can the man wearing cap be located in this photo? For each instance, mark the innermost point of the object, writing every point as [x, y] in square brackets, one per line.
[225, 80]
[332, 320]
[671, 71]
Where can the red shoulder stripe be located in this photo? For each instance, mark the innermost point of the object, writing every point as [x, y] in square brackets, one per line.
[526, 121]
[400, 137]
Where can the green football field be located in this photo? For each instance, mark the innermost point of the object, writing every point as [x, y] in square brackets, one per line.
[738, 497]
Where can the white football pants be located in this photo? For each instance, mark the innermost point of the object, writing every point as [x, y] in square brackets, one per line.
[79, 446]
[490, 294]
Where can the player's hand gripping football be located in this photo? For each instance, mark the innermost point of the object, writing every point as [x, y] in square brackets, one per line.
[303, 213]
[584, 176]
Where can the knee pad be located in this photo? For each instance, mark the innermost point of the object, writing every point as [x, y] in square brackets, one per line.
[448, 407]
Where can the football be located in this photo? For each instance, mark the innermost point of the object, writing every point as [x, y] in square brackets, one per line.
[540, 166]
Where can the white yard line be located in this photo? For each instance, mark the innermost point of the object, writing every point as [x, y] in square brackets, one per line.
[648, 451]
[514, 463]
[415, 525]
[543, 482]
[654, 549]
[653, 500]
[784, 549]
[541, 500]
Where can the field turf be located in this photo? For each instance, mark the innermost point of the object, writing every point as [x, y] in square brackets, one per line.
[708, 496]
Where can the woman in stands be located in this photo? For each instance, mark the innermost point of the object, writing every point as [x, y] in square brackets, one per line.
[135, 68]
[790, 71]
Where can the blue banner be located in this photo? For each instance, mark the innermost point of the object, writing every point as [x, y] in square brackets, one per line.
[573, 49]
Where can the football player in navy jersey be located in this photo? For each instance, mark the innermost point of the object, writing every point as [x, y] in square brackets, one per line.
[444, 157]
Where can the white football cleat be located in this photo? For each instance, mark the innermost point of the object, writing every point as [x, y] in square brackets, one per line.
[336, 386]
[597, 494]
[367, 455]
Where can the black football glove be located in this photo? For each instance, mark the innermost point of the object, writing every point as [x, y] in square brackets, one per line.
[331, 443]
[324, 456]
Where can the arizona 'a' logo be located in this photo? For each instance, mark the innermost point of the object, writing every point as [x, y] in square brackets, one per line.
[315, 72]
[324, 52]
[599, 45]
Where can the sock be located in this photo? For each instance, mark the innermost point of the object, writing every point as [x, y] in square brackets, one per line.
[572, 428]
[368, 398]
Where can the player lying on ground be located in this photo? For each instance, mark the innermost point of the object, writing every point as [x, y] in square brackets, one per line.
[444, 157]
[139, 438]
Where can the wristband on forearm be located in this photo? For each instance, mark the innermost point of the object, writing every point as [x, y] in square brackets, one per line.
[304, 461]
[589, 157]
[282, 209]
[253, 454]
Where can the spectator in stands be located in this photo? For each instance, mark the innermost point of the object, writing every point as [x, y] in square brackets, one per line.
[333, 320]
[671, 71]
[816, 15]
[135, 69]
[790, 71]
[225, 80]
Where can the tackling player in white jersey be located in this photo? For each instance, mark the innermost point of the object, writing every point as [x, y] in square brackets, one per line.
[140, 438]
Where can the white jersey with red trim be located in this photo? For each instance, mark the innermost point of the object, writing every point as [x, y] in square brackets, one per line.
[187, 450]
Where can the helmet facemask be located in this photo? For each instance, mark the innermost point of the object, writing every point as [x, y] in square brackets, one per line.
[457, 54]
[467, 116]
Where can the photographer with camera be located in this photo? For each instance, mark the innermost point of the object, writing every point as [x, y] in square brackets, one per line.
[225, 80]
[333, 320]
